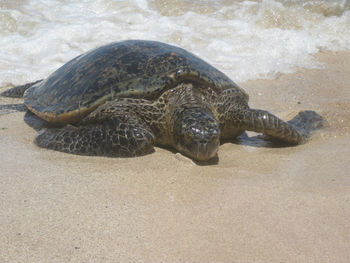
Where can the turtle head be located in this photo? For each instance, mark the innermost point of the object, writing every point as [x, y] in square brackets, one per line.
[197, 134]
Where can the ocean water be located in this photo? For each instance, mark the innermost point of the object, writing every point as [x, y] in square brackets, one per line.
[245, 39]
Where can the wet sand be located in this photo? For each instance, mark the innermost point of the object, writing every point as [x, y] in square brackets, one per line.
[257, 204]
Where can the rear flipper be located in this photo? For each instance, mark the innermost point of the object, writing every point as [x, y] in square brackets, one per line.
[10, 108]
[113, 137]
[18, 91]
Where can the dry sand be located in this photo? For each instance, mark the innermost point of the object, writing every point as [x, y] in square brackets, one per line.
[258, 204]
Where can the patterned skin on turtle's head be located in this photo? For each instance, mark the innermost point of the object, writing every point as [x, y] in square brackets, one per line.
[197, 134]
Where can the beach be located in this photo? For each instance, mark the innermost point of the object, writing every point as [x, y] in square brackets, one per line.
[256, 204]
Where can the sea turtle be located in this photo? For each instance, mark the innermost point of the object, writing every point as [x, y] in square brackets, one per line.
[123, 98]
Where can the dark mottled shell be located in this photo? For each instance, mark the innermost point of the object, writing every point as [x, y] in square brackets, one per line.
[133, 68]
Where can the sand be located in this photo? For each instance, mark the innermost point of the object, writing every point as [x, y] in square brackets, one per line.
[257, 204]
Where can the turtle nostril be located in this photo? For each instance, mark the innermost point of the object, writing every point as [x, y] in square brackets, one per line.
[203, 142]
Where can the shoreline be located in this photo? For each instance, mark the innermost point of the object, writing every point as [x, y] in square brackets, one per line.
[258, 204]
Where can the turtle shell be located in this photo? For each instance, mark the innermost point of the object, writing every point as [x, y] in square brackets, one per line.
[133, 68]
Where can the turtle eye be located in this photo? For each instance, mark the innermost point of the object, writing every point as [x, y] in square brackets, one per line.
[216, 132]
[195, 130]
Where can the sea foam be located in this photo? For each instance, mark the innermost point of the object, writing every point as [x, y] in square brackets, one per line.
[244, 39]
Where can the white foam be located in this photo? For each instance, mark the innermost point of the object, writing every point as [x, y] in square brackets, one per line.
[245, 39]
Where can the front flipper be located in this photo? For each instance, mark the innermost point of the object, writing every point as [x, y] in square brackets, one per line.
[295, 131]
[308, 121]
[113, 137]
[18, 91]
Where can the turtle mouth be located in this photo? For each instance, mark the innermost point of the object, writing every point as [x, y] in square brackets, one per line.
[202, 151]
